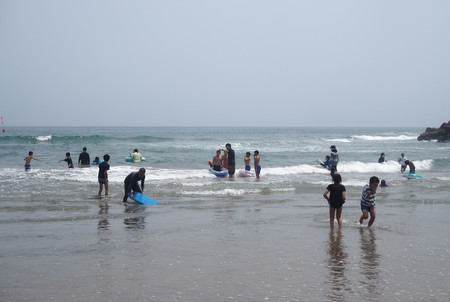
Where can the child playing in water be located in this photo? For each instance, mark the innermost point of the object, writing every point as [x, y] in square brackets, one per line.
[68, 159]
[336, 199]
[256, 159]
[217, 161]
[368, 200]
[247, 161]
[412, 168]
[103, 175]
[28, 160]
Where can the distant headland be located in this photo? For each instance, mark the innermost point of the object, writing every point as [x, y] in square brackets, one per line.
[441, 134]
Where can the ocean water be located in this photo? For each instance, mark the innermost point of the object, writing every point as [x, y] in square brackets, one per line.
[213, 239]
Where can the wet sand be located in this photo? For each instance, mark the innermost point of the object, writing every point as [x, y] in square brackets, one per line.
[254, 248]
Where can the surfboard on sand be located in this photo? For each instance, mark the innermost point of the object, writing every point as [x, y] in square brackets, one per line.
[143, 199]
[411, 175]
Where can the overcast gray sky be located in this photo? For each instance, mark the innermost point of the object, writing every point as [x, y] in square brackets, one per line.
[225, 63]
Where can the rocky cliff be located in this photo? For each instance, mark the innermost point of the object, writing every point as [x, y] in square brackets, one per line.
[441, 134]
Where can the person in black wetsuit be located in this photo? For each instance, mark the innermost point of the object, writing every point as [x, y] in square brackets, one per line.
[231, 160]
[84, 160]
[131, 183]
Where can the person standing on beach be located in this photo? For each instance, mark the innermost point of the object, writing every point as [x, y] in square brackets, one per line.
[334, 160]
[68, 159]
[256, 159]
[28, 160]
[368, 200]
[336, 199]
[401, 160]
[231, 160]
[84, 160]
[131, 183]
[103, 168]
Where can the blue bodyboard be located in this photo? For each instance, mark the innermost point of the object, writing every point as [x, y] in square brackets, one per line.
[143, 199]
[221, 173]
[411, 175]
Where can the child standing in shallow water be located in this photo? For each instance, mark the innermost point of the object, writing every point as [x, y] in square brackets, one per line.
[368, 200]
[336, 199]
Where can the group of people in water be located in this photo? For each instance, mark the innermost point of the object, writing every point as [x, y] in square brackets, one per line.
[335, 193]
[130, 182]
[227, 161]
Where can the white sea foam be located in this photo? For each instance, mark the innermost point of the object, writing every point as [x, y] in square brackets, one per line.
[223, 192]
[384, 138]
[44, 138]
[340, 140]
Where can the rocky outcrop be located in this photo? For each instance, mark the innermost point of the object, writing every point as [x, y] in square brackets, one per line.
[441, 134]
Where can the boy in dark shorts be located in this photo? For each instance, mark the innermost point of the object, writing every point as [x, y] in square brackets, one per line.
[103, 175]
[368, 200]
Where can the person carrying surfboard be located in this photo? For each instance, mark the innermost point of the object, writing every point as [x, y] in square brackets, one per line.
[131, 183]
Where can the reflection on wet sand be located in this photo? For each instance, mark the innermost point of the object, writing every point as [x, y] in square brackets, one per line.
[337, 264]
[103, 223]
[135, 222]
[370, 261]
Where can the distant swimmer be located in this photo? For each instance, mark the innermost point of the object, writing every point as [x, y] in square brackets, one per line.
[28, 160]
[131, 183]
[334, 160]
[136, 157]
[217, 161]
[256, 159]
[68, 160]
[84, 160]
[383, 184]
[401, 160]
[412, 168]
[382, 158]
